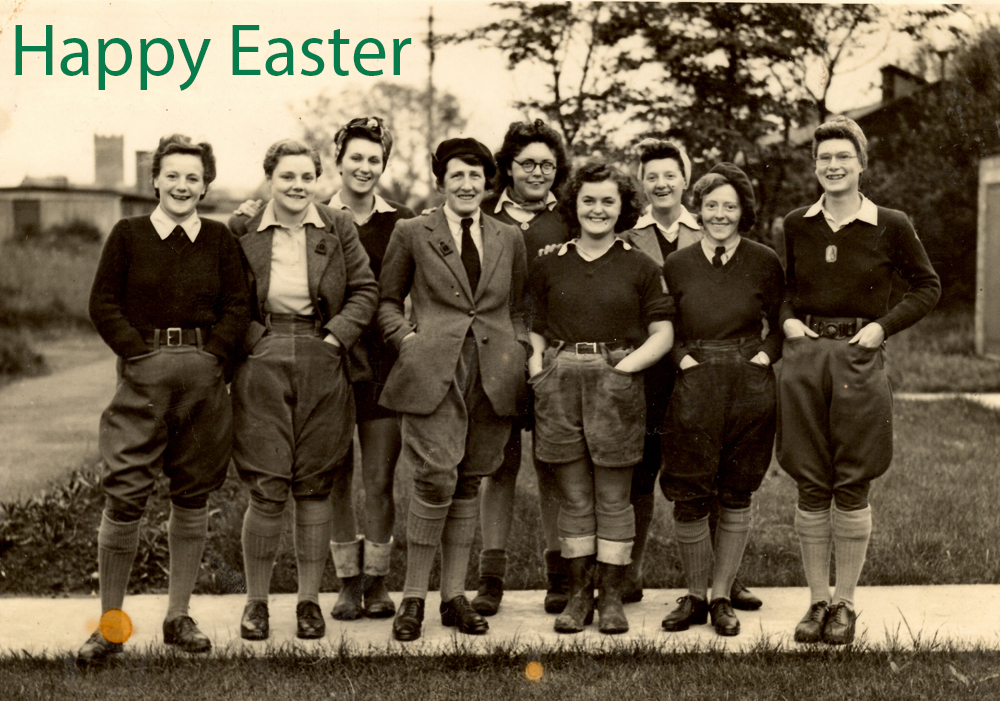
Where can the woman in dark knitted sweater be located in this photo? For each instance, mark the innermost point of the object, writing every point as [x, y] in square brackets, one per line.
[720, 423]
[170, 299]
[531, 164]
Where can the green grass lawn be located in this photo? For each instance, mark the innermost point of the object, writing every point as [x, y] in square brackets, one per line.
[628, 672]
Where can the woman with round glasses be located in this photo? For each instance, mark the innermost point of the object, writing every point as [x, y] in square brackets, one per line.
[719, 428]
[531, 164]
[834, 399]
[362, 148]
[598, 317]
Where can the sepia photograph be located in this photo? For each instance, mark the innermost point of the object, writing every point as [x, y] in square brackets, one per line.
[391, 349]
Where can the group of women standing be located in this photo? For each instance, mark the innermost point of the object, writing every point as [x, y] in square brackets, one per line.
[620, 303]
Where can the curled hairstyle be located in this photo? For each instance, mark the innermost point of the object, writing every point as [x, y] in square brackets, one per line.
[367, 128]
[519, 136]
[289, 147]
[596, 172]
[178, 143]
[712, 181]
[842, 128]
[656, 149]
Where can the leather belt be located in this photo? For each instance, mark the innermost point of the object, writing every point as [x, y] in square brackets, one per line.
[835, 327]
[175, 336]
[592, 348]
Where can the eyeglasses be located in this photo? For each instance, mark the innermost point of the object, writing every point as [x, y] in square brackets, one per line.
[528, 166]
[826, 159]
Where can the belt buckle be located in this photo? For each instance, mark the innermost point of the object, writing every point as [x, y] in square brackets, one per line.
[175, 337]
[831, 330]
[586, 347]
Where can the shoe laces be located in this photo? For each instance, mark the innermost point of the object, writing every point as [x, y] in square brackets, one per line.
[409, 607]
[837, 608]
[818, 611]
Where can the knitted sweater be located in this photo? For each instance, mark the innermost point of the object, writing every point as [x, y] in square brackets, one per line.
[858, 282]
[547, 227]
[142, 284]
[731, 302]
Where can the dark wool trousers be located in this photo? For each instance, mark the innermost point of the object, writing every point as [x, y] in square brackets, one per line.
[294, 415]
[170, 412]
[457, 444]
[719, 430]
[834, 421]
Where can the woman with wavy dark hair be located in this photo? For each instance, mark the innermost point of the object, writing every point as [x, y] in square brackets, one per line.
[171, 301]
[293, 404]
[598, 317]
[719, 430]
[531, 165]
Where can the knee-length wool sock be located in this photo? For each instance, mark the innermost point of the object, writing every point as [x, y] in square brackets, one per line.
[851, 532]
[424, 525]
[815, 539]
[456, 543]
[117, 544]
[261, 535]
[186, 532]
[730, 541]
[312, 541]
[695, 545]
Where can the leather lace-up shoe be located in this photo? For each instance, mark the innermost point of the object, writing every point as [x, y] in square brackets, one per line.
[97, 649]
[810, 628]
[254, 625]
[309, 623]
[691, 611]
[183, 632]
[724, 619]
[839, 628]
[409, 618]
[459, 612]
[742, 599]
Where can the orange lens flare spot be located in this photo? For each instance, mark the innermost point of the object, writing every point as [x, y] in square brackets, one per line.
[116, 626]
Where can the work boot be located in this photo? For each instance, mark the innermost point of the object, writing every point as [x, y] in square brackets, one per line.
[492, 569]
[378, 603]
[347, 562]
[579, 611]
[557, 572]
[609, 601]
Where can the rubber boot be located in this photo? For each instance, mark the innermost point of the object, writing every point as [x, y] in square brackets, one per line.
[609, 601]
[642, 505]
[579, 611]
[492, 569]
[378, 604]
[557, 572]
[347, 562]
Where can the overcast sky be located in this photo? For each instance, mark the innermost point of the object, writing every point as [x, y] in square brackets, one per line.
[47, 123]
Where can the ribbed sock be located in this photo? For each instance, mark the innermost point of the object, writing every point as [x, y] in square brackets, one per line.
[695, 545]
[815, 539]
[456, 543]
[312, 539]
[186, 532]
[730, 540]
[424, 525]
[851, 532]
[117, 544]
[261, 535]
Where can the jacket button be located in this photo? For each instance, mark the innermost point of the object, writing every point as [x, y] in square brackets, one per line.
[485, 340]
[472, 312]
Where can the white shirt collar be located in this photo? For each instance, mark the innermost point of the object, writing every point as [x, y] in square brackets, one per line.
[867, 212]
[164, 225]
[573, 242]
[269, 219]
[550, 201]
[337, 202]
[455, 221]
[670, 234]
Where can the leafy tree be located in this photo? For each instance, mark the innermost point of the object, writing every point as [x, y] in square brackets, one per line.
[404, 110]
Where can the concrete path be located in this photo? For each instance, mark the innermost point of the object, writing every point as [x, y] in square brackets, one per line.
[48, 425]
[960, 616]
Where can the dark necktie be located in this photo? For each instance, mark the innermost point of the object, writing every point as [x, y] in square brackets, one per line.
[470, 255]
[717, 258]
[178, 240]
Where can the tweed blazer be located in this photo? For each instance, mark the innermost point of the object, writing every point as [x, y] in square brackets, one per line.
[422, 262]
[341, 283]
[645, 240]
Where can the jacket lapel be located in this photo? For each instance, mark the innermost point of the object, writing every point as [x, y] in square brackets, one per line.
[645, 241]
[492, 248]
[440, 239]
[257, 248]
[317, 259]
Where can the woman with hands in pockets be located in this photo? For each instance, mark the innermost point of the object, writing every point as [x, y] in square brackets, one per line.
[598, 317]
